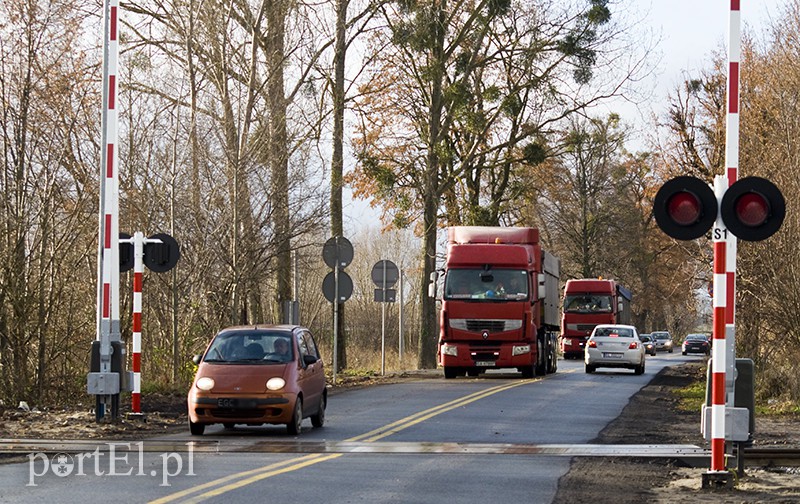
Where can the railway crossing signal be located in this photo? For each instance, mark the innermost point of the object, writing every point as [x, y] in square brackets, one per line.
[752, 209]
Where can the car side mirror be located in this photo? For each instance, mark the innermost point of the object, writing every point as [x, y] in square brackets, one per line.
[197, 358]
[309, 359]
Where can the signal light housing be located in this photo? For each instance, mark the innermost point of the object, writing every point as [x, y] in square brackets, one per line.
[753, 209]
[685, 208]
[125, 253]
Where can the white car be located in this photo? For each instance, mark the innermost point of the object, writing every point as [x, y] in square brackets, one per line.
[615, 346]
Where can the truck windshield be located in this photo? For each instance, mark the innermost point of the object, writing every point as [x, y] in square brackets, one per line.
[506, 284]
[587, 303]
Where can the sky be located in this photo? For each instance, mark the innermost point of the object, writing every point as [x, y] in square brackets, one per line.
[690, 31]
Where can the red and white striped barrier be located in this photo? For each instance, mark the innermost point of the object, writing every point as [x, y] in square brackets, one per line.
[724, 298]
[136, 356]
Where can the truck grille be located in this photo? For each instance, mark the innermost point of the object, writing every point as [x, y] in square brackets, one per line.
[489, 325]
[480, 351]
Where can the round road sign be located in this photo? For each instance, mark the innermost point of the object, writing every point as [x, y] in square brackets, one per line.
[385, 274]
[337, 251]
[345, 286]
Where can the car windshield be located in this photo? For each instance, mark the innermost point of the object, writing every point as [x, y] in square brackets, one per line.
[587, 303]
[614, 332]
[696, 337]
[645, 338]
[263, 347]
[661, 335]
[481, 284]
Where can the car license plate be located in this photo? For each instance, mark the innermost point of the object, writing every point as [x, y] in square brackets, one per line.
[233, 403]
[612, 355]
[485, 363]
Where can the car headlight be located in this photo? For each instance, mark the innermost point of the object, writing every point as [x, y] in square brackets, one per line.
[450, 350]
[276, 383]
[205, 383]
[521, 350]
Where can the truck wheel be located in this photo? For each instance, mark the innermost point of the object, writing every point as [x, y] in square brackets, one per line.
[450, 372]
[473, 372]
[552, 361]
[541, 359]
[528, 372]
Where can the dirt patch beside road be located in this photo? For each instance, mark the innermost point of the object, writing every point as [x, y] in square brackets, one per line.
[653, 417]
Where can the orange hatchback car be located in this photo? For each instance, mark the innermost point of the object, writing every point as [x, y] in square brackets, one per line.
[258, 374]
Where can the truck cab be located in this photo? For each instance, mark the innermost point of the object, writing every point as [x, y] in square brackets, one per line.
[586, 304]
[493, 300]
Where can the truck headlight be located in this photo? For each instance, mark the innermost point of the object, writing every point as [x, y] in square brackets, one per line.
[450, 350]
[521, 350]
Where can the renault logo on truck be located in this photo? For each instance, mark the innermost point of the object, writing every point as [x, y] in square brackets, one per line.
[485, 334]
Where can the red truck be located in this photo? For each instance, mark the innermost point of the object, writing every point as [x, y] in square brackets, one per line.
[500, 302]
[587, 303]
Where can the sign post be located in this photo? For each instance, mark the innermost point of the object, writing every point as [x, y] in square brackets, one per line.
[384, 276]
[337, 285]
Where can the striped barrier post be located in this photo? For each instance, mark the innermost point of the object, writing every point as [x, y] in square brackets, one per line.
[105, 389]
[724, 298]
[136, 356]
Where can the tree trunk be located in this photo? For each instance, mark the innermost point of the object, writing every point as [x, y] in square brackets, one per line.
[337, 162]
[276, 18]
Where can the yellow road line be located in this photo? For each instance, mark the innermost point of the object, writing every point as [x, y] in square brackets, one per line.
[231, 477]
[238, 480]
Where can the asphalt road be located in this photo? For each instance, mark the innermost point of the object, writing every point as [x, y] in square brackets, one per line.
[425, 441]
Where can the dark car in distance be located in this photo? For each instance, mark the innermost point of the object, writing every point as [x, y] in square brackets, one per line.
[649, 343]
[696, 343]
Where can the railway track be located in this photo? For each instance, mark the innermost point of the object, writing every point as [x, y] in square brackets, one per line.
[690, 454]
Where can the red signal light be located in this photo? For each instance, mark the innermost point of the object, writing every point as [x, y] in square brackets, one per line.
[752, 209]
[592, 344]
[684, 208]
[633, 346]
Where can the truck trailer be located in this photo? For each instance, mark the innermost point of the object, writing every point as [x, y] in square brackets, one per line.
[500, 302]
[587, 303]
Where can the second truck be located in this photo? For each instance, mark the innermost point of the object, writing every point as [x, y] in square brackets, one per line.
[500, 305]
[587, 303]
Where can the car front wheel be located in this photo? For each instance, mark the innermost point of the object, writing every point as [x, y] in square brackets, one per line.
[196, 429]
[294, 425]
[318, 420]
